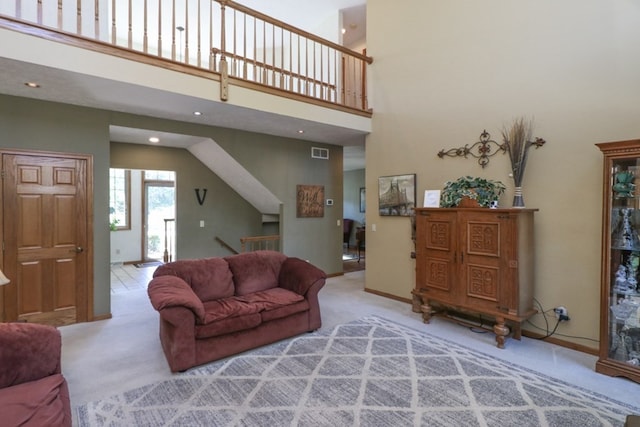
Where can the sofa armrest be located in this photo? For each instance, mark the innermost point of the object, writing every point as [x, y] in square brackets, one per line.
[298, 276]
[28, 352]
[172, 291]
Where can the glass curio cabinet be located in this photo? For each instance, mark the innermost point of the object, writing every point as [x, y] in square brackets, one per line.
[620, 294]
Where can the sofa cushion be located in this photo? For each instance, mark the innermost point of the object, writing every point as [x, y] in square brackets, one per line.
[271, 298]
[36, 403]
[228, 325]
[282, 311]
[210, 278]
[31, 350]
[227, 307]
[255, 271]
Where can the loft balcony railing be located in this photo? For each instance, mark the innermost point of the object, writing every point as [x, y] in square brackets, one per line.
[235, 43]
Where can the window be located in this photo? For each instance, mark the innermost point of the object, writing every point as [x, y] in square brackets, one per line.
[119, 199]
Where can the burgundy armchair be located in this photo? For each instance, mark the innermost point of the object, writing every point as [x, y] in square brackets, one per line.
[33, 391]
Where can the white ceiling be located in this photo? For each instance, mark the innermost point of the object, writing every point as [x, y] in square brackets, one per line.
[81, 89]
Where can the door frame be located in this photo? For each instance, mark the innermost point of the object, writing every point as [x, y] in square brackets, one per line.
[89, 292]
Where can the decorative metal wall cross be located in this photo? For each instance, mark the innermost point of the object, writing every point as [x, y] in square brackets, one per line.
[481, 150]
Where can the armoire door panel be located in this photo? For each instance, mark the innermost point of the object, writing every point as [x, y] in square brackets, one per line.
[436, 254]
[439, 275]
[438, 236]
[483, 238]
[483, 282]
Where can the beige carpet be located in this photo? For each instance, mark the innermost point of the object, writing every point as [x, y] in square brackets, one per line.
[105, 358]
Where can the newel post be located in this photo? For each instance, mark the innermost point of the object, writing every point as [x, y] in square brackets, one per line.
[224, 72]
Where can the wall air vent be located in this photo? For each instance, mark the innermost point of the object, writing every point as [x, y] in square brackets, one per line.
[319, 153]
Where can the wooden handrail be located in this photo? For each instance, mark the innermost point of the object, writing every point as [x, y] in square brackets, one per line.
[295, 30]
[226, 245]
[256, 243]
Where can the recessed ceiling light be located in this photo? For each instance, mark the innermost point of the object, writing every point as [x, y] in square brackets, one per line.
[300, 131]
[154, 139]
[344, 30]
[32, 85]
[197, 113]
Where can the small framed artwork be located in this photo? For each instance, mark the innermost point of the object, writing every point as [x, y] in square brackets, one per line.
[310, 201]
[362, 199]
[397, 195]
[431, 198]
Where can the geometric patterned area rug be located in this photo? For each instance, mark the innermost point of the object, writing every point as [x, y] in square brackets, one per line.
[372, 372]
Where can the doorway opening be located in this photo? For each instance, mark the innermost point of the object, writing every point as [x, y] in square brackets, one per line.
[142, 216]
[159, 216]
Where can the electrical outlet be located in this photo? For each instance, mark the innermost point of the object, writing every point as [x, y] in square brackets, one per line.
[561, 313]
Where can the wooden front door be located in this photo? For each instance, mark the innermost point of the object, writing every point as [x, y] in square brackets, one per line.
[45, 237]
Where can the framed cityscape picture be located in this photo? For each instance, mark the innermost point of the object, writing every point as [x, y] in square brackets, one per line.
[397, 195]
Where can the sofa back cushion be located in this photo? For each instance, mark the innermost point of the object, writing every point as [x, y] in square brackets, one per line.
[210, 278]
[28, 351]
[255, 271]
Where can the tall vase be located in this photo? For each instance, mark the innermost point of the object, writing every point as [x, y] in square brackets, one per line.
[518, 199]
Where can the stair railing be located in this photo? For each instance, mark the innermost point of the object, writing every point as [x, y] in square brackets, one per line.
[226, 245]
[237, 43]
[169, 232]
[257, 243]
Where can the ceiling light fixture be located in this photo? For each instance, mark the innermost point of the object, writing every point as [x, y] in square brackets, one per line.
[197, 113]
[300, 131]
[344, 30]
[32, 85]
[154, 139]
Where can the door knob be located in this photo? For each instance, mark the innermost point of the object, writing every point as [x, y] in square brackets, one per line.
[78, 249]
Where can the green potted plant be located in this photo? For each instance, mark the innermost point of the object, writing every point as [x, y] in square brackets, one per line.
[113, 222]
[482, 191]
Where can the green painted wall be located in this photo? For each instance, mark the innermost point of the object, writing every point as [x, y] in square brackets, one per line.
[37, 125]
[224, 212]
[280, 164]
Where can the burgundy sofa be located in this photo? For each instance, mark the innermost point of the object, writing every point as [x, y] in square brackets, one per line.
[33, 391]
[215, 307]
